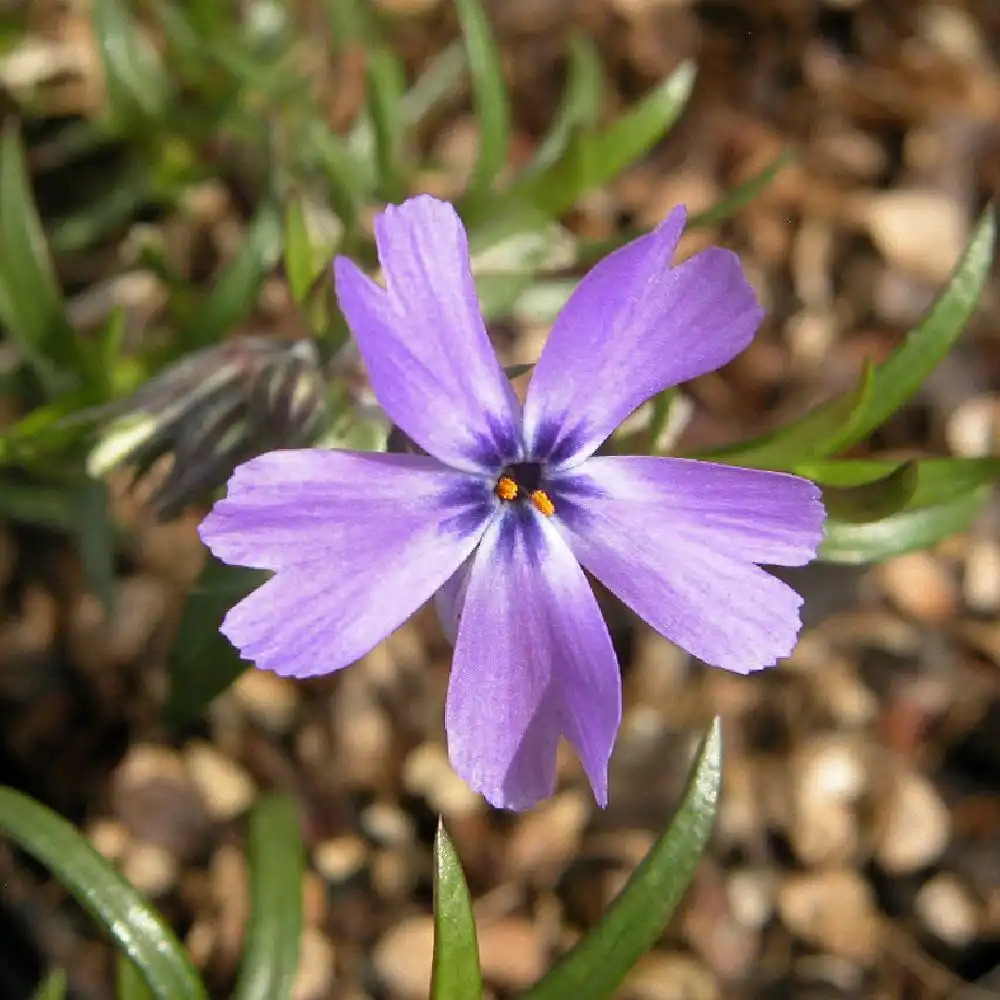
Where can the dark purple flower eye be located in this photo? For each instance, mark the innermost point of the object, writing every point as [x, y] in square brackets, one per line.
[505, 507]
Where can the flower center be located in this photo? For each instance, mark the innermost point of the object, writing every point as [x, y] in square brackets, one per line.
[522, 480]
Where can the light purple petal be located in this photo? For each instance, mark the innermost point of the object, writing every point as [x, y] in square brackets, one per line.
[423, 340]
[359, 542]
[677, 541]
[633, 327]
[533, 661]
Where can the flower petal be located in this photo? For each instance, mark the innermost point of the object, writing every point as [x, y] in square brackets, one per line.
[677, 541]
[359, 542]
[633, 327]
[533, 661]
[423, 340]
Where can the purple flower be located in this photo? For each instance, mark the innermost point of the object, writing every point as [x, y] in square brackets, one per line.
[509, 506]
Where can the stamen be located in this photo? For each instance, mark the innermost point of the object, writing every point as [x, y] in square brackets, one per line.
[506, 488]
[542, 503]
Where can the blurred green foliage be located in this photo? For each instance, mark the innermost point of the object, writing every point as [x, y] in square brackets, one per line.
[203, 92]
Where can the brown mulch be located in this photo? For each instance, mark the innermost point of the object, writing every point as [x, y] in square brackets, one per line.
[857, 852]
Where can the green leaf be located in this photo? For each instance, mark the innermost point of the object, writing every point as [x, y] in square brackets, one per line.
[52, 987]
[580, 107]
[902, 532]
[892, 382]
[131, 983]
[435, 84]
[938, 479]
[51, 507]
[236, 289]
[490, 95]
[135, 927]
[113, 210]
[95, 539]
[592, 251]
[595, 967]
[271, 952]
[821, 431]
[350, 23]
[136, 83]
[875, 499]
[660, 417]
[738, 198]
[49, 433]
[385, 78]
[906, 369]
[455, 973]
[947, 495]
[300, 256]
[203, 663]
[596, 157]
[349, 178]
[31, 306]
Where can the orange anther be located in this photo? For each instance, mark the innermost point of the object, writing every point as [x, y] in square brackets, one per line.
[542, 503]
[506, 488]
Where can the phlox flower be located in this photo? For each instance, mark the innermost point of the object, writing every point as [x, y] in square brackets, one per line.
[508, 505]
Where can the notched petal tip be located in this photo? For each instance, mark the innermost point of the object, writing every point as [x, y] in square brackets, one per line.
[422, 210]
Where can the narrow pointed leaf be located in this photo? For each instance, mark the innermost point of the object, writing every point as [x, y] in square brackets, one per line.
[131, 983]
[580, 107]
[125, 915]
[31, 305]
[596, 157]
[300, 268]
[739, 197]
[947, 495]
[237, 288]
[350, 23]
[203, 663]
[127, 193]
[490, 94]
[52, 987]
[95, 539]
[893, 381]
[938, 479]
[455, 972]
[595, 967]
[385, 78]
[821, 431]
[136, 83]
[434, 85]
[273, 937]
[906, 369]
[873, 500]
[350, 180]
[46, 506]
[592, 251]
[909, 529]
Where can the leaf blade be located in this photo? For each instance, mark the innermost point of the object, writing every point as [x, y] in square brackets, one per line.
[31, 305]
[905, 531]
[273, 937]
[455, 971]
[490, 96]
[202, 662]
[236, 289]
[136, 928]
[892, 382]
[599, 962]
[596, 157]
[898, 377]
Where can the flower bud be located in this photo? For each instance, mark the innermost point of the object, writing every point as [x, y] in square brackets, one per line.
[211, 411]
